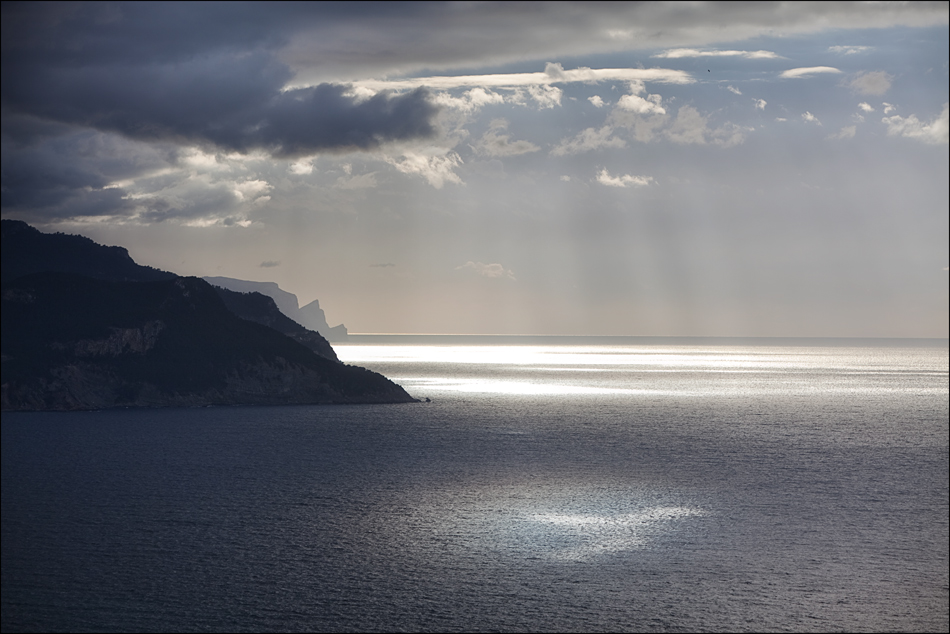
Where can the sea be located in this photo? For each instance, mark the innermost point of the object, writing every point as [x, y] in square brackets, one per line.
[540, 484]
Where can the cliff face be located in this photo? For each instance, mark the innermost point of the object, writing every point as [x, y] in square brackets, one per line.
[310, 316]
[72, 342]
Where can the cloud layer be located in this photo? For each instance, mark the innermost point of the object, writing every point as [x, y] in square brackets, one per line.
[232, 104]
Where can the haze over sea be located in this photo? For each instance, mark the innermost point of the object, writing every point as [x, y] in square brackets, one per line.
[550, 484]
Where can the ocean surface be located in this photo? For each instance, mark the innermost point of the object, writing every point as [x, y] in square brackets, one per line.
[590, 484]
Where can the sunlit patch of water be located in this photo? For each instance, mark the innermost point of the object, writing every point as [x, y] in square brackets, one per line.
[582, 536]
[554, 356]
[637, 370]
[494, 386]
[560, 522]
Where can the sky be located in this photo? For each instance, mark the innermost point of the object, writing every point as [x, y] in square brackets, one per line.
[652, 169]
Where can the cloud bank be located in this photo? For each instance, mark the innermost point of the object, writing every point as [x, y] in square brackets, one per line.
[933, 133]
[233, 105]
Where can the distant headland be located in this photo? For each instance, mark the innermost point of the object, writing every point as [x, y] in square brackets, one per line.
[310, 316]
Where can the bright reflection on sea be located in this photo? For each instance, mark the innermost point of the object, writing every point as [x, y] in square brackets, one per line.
[489, 386]
[632, 370]
[548, 355]
[577, 537]
[556, 520]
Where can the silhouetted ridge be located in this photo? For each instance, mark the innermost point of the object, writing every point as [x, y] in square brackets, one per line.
[90, 338]
[263, 310]
[26, 250]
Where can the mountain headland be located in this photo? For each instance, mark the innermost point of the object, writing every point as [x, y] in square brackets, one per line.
[85, 327]
[310, 316]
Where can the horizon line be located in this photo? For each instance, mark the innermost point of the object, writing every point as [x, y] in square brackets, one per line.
[463, 334]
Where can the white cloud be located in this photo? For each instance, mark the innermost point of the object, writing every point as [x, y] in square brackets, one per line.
[888, 107]
[597, 101]
[470, 101]
[589, 140]
[555, 75]
[810, 118]
[252, 191]
[437, 169]
[849, 50]
[781, 119]
[495, 142]
[301, 167]
[679, 53]
[733, 89]
[845, 133]
[491, 271]
[871, 83]
[198, 159]
[689, 127]
[933, 133]
[554, 70]
[211, 221]
[798, 73]
[624, 180]
[760, 104]
[866, 106]
[640, 105]
[545, 96]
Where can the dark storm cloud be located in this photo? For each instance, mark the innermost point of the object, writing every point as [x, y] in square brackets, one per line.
[212, 73]
[167, 74]
[235, 104]
[298, 122]
[55, 170]
[195, 76]
[90, 33]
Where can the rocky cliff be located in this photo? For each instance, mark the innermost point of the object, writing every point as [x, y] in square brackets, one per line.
[310, 316]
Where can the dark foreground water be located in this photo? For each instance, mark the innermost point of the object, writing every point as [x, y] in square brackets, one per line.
[547, 487]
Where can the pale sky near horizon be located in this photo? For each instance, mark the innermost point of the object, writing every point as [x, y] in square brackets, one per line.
[680, 169]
